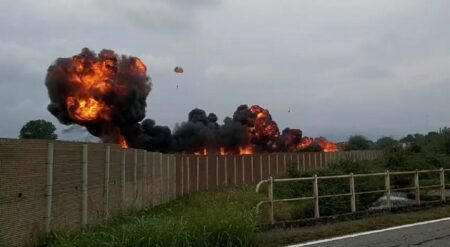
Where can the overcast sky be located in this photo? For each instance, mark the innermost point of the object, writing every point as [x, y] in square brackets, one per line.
[341, 67]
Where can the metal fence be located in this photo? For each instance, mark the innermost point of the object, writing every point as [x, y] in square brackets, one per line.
[352, 192]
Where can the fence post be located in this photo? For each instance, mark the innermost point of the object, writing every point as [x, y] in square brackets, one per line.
[271, 216]
[298, 162]
[174, 178]
[269, 170]
[84, 186]
[188, 177]
[243, 170]
[161, 179]
[320, 160]
[276, 163]
[144, 178]
[303, 162]
[387, 182]
[234, 170]
[443, 194]
[352, 191]
[152, 180]
[260, 166]
[207, 172]
[284, 161]
[49, 189]
[226, 170]
[182, 175]
[198, 173]
[169, 178]
[310, 164]
[315, 161]
[106, 182]
[122, 179]
[251, 167]
[316, 197]
[417, 187]
[135, 188]
[217, 171]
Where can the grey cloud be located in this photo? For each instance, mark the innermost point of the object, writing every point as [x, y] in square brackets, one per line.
[370, 67]
[373, 73]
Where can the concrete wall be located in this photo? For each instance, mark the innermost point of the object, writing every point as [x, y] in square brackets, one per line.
[47, 186]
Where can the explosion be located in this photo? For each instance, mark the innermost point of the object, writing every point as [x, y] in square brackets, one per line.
[326, 145]
[106, 93]
[251, 130]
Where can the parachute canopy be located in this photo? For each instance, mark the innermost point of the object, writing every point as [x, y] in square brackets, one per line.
[178, 69]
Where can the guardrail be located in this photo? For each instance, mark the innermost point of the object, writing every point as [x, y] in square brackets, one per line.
[352, 190]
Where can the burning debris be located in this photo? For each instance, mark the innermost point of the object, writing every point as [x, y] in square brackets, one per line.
[106, 93]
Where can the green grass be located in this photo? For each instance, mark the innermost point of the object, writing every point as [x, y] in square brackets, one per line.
[224, 218]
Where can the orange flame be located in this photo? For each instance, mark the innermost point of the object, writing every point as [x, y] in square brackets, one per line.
[263, 128]
[245, 150]
[122, 142]
[304, 143]
[87, 109]
[92, 81]
[203, 152]
[328, 146]
[223, 151]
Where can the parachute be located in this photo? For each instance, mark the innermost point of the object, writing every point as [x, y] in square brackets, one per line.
[178, 69]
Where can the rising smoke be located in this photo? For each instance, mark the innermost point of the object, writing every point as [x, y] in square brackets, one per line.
[106, 93]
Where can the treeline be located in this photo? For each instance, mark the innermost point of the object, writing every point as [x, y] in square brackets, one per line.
[432, 142]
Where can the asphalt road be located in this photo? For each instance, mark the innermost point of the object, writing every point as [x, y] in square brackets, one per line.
[434, 234]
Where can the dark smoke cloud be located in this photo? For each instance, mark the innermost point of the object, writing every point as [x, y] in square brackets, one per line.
[120, 85]
[199, 132]
[232, 134]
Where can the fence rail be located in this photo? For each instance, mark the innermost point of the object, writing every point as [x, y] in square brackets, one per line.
[315, 197]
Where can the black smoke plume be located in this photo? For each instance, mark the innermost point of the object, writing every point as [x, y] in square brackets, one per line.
[106, 93]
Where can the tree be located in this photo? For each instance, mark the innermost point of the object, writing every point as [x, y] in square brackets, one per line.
[386, 142]
[444, 140]
[357, 142]
[38, 129]
[408, 138]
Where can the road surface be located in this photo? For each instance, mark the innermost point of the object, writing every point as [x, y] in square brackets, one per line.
[434, 233]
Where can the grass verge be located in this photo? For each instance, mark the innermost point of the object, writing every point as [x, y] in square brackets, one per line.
[224, 218]
[282, 237]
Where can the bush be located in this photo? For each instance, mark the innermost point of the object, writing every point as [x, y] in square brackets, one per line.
[357, 142]
[386, 143]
